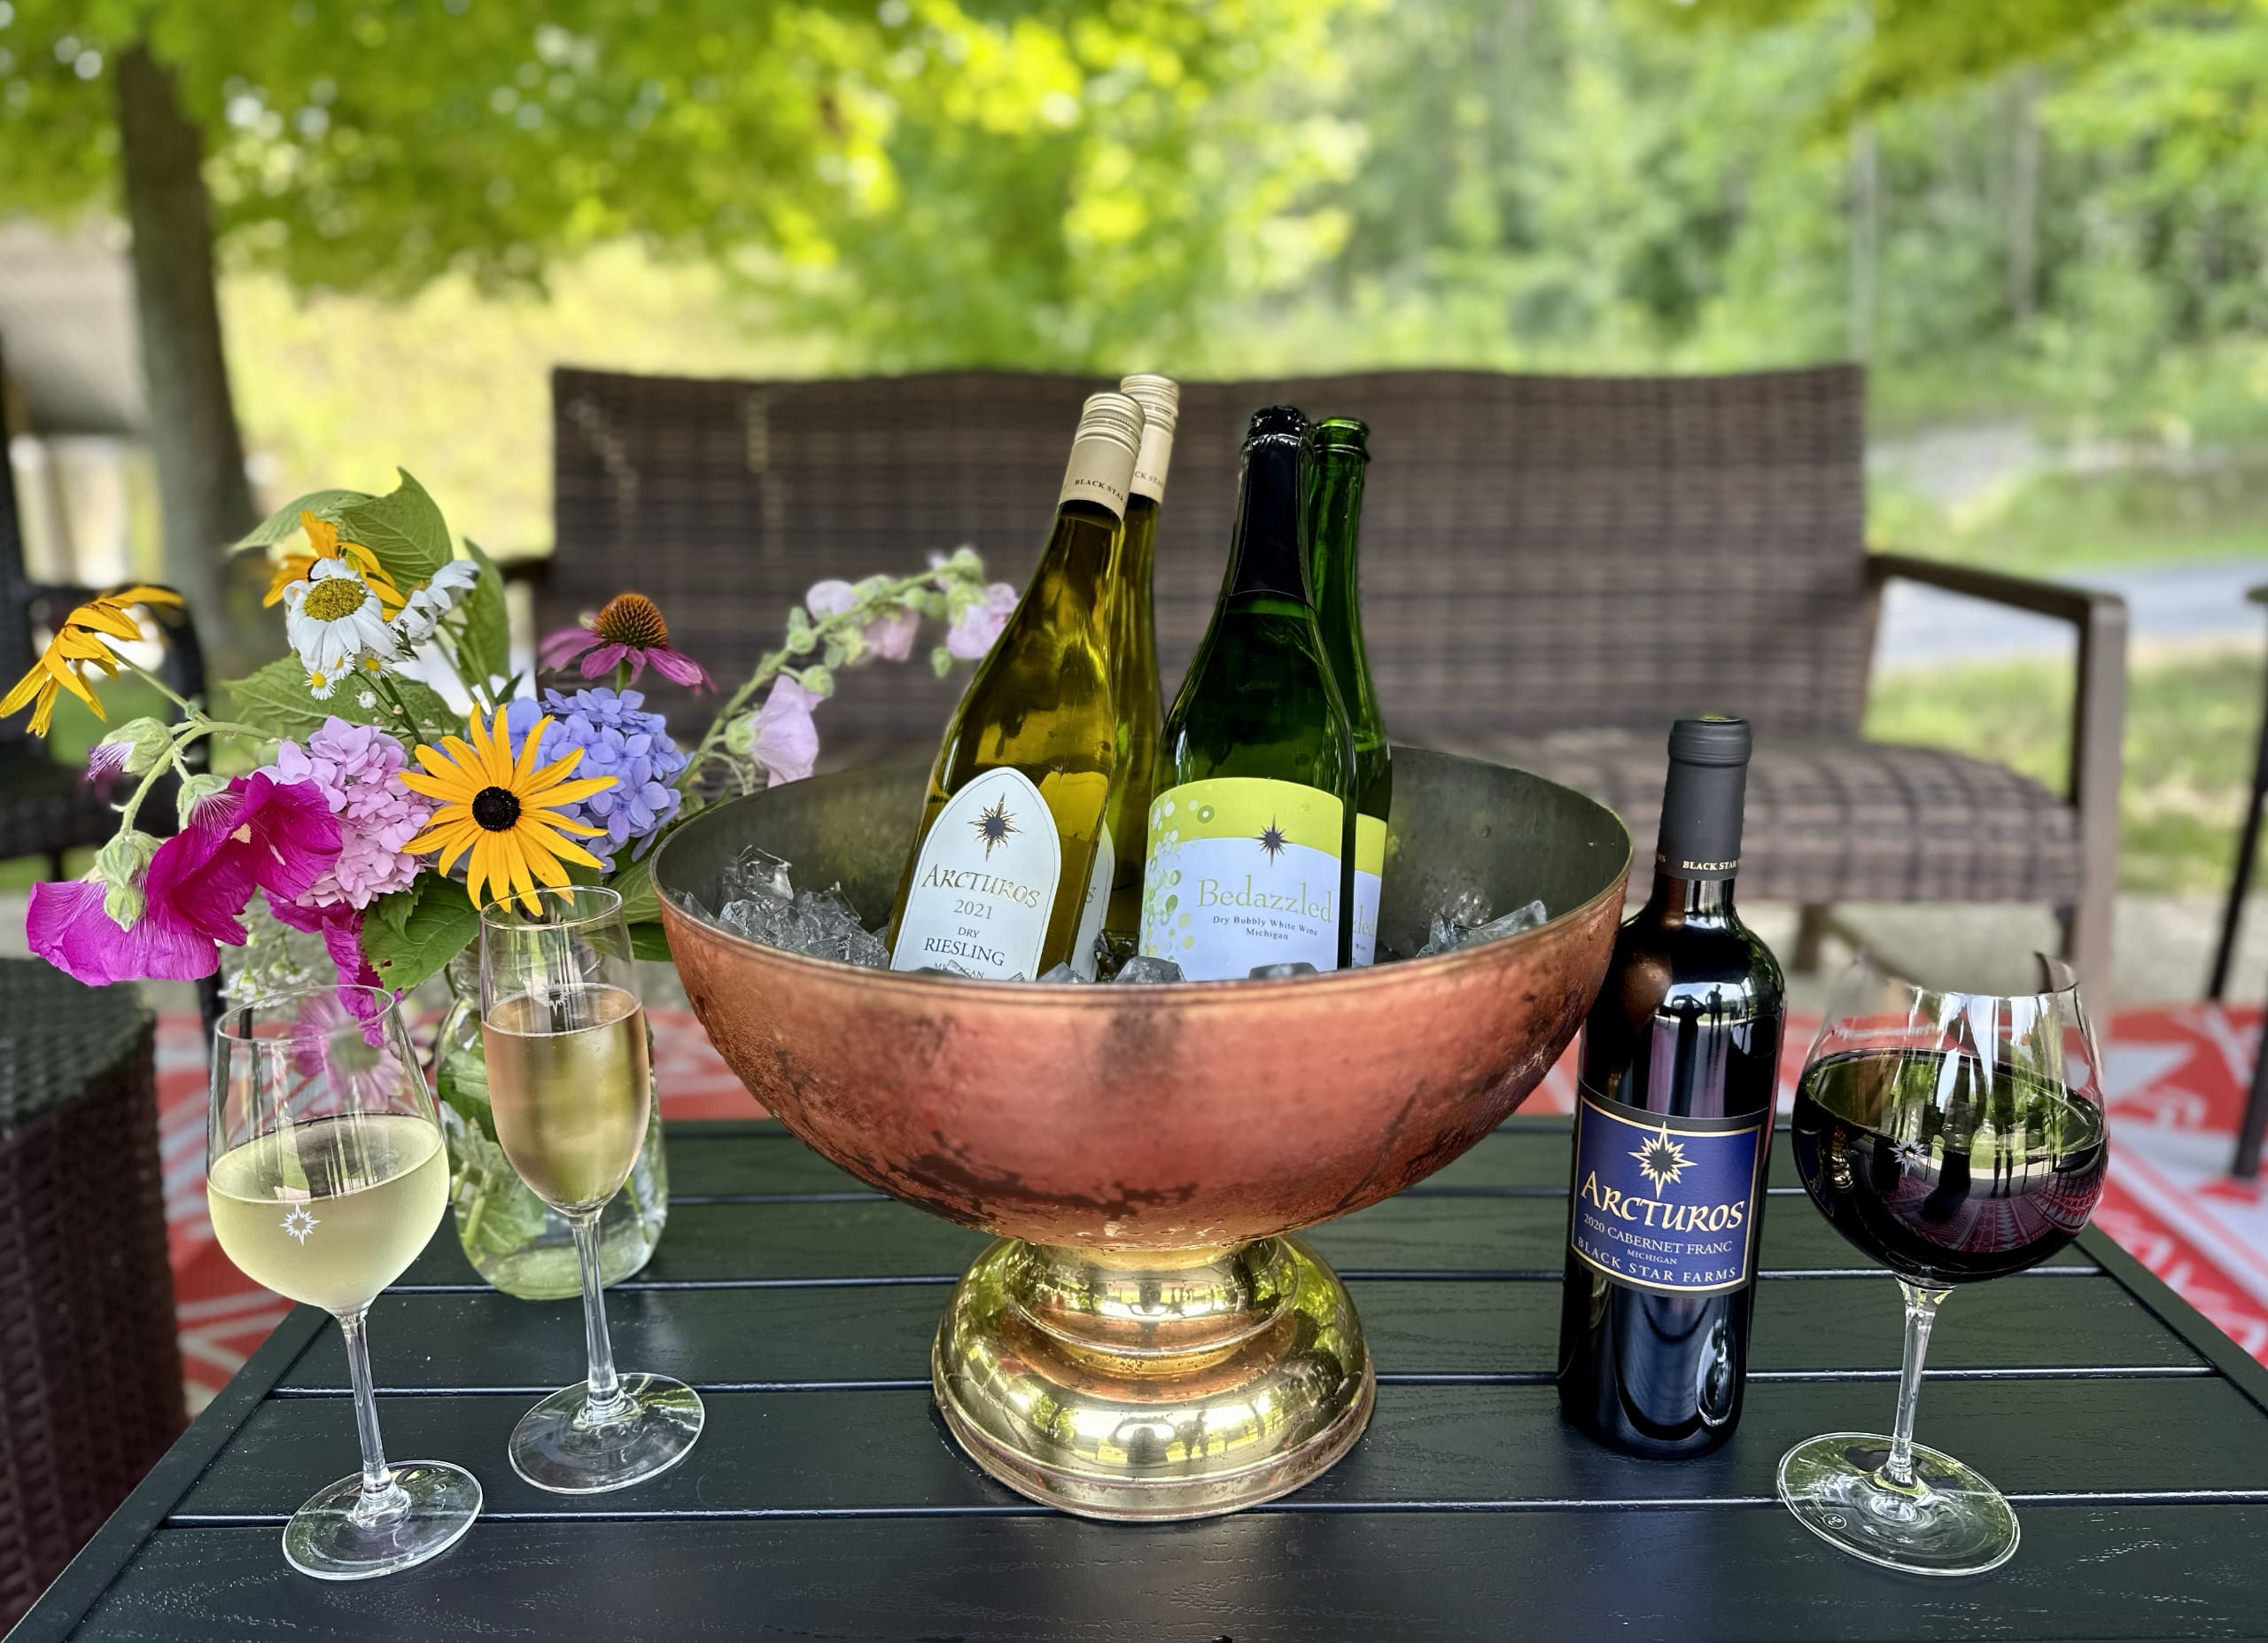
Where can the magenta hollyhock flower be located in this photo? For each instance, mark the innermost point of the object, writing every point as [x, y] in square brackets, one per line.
[357, 770]
[629, 629]
[786, 741]
[259, 835]
[980, 624]
[340, 926]
[891, 638]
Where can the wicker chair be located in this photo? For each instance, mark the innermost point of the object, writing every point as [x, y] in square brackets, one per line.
[90, 1369]
[1554, 568]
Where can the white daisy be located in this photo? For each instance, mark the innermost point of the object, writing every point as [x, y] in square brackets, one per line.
[332, 617]
[428, 604]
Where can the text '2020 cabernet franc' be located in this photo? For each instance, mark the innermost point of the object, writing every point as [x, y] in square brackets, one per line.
[1251, 832]
[1012, 870]
[1672, 1133]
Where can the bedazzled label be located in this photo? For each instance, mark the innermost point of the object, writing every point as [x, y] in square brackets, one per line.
[1242, 872]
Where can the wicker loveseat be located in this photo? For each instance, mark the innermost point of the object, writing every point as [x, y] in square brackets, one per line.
[1553, 568]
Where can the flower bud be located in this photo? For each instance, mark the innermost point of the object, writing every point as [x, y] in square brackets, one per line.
[941, 662]
[145, 740]
[121, 864]
[740, 735]
[817, 680]
[194, 792]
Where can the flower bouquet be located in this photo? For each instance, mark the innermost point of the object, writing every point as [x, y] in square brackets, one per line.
[392, 776]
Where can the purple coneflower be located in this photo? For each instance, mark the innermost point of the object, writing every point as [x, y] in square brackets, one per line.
[629, 632]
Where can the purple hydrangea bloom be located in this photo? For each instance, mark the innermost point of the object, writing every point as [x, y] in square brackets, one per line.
[618, 740]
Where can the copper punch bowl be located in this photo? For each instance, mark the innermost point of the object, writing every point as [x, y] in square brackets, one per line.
[1147, 1341]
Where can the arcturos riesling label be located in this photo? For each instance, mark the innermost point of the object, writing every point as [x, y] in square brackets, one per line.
[1369, 873]
[1242, 872]
[984, 883]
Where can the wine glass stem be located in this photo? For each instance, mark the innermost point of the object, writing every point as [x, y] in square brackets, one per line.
[604, 1399]
[1921, 1313]
[380, 1493]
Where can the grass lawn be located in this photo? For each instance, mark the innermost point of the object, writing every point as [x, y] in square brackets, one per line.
[2191, 727]
[2054, 523]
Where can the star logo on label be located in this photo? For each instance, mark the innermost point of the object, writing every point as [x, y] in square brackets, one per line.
[1661, 1160]
[1272, 840]
[994, 826]
[298, 1223]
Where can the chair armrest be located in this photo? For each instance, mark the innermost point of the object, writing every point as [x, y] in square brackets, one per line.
[2080, 606]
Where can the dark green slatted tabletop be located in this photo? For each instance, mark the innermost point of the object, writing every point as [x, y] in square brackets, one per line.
[825, 1501]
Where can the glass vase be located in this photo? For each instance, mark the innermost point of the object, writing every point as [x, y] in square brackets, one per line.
[513, 1239]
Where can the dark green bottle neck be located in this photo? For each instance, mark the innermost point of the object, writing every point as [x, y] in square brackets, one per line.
[1334, 522]
[1266, 568]
[1697, 852]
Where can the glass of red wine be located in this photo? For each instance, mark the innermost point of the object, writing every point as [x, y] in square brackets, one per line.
[1954, 1137]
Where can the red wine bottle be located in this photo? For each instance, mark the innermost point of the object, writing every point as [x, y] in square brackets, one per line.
[1674, 1134]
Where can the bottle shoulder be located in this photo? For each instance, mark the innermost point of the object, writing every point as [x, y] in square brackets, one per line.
[1659, 966]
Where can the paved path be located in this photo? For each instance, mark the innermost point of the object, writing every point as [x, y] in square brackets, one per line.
[2167, 602]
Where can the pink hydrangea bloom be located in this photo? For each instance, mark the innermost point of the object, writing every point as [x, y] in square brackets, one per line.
[891, 638]
[980, 624]
[786, 741]
[259, 835]
[357, 770]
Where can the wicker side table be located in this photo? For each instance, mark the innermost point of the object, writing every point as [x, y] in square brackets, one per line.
[90, 1370]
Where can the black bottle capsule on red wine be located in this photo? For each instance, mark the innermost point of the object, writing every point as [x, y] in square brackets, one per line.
[1672, 1133]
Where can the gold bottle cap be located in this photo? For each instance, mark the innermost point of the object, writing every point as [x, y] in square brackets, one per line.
[1159, 398]
[1103, 452]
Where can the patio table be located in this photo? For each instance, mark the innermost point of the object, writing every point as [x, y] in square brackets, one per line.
[825, 1499]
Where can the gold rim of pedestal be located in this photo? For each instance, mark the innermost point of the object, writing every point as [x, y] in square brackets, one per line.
[1153, 1387]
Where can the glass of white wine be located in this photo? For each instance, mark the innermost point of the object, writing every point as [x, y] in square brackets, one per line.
[570, 1084]
[325, 1174]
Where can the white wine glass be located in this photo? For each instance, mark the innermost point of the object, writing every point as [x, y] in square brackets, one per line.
[1956, 1137]
[572, 1088]
[326, 1175]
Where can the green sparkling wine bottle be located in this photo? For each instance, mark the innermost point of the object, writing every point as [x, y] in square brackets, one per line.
[1009, 876]
[1252, 831]
[1339, 453]
[1134, 661]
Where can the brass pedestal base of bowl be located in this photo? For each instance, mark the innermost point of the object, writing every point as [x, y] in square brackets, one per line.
[1157, 1386]
[1150, 1342]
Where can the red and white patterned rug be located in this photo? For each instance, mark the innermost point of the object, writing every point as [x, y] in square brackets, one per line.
[2177, 1078]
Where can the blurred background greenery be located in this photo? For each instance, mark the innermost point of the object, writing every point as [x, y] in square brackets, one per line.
[2043, 223]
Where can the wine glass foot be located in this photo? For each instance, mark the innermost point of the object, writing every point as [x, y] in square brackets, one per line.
[435, 1503]
[558, 1446]
[1951, 1521]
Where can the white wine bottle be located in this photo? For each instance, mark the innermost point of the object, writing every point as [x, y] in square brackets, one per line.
[1007, 877]
[1134, 659]
[1251, 835]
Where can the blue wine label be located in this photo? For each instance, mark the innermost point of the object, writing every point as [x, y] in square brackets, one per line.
[1666, 1204]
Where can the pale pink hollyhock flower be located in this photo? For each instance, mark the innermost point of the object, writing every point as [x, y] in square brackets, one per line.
[980, 624]
[357, 770]
[786, 741]
[891, 638]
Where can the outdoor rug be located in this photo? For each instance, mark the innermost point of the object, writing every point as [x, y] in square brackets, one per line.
[2177, 1078]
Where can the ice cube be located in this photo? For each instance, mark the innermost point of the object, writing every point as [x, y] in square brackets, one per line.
[1142, 968]
[759, 918]
[1062, 975]
[1449, 935]
[758, 873]
[1469, 907]
[1282, 972]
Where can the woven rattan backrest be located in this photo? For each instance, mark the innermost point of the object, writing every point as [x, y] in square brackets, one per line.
[1538, 552]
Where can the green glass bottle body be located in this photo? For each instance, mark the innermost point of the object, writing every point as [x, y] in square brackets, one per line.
[1251, 831]
[1339, 454]
[1007, 879]
[1134, 662]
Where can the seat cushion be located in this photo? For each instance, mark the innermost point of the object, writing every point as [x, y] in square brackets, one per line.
[1835, 820]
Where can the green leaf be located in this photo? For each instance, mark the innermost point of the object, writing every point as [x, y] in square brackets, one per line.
[404, 528]
[394, 909]
[441, 924]
[647, 941]
[285, 520]
[276, 699]
[487, 645]
[634, 883]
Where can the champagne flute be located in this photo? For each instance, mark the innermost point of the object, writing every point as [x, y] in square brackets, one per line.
[573, 1091]
[325, 1174]
[1956, 1137]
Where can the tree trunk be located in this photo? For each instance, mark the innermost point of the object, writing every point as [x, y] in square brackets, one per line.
[205, 500]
